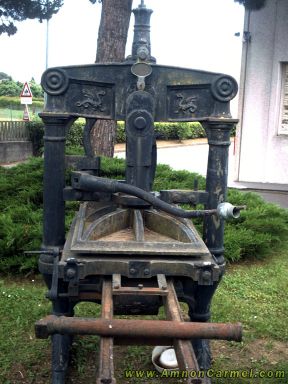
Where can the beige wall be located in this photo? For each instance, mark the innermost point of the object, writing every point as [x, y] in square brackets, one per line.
[261, 153]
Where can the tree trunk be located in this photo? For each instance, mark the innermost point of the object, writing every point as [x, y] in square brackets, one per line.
[112, 37]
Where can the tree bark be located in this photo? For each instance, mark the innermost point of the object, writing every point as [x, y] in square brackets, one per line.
[112, 37]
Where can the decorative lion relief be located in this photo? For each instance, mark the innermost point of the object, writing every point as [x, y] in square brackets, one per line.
[92, 100]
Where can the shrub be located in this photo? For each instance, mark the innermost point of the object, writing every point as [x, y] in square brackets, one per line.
[260, 228]
[14, 102]
[21, 214]
[36, 133]
[168, 131]
[75, 134]
[163, 131]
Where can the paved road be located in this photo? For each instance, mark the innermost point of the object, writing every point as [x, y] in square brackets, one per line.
[192, 157]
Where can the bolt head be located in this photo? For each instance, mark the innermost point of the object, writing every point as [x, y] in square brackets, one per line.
[206, 275]
[70, 273]
[140, 122]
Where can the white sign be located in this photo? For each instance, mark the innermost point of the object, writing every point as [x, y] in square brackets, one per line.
[26, 100]
[26, 95]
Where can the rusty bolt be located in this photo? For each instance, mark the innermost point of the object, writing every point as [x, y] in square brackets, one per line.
[132, 271]
[146, 272]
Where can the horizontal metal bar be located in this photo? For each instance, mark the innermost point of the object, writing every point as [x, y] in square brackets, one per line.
[137, 328]
[138, 291]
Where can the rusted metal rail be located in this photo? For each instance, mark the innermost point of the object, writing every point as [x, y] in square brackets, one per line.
[106, 356]
[184, 351]
[138, 328]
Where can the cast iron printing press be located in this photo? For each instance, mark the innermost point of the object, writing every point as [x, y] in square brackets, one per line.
[129, 248]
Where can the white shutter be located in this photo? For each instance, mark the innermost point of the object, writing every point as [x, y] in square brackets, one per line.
[283, 129]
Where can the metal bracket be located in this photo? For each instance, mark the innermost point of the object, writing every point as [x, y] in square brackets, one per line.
[139, 269]
[71, 274]
[52, 294]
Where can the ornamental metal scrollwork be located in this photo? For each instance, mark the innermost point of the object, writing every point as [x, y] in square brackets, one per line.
[91, 101]
[186, 105]
[224, 88]
[55, 81]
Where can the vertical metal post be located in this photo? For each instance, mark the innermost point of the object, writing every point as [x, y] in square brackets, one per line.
[106, 363]
[54, 224]
[218, 134]
[54, 179]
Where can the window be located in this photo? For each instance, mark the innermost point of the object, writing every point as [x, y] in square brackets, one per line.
[283, 126]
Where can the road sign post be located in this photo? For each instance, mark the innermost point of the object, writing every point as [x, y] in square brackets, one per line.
[26, 98]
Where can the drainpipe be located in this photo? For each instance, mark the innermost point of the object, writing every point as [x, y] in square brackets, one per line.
[246, 41]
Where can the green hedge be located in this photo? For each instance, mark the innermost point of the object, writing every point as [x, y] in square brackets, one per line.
[259, 229]
[14, 102]
[163, 131]
[168, 131]
[36, 133]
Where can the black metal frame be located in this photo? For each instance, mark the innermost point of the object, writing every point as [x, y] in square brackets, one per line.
[139, 93]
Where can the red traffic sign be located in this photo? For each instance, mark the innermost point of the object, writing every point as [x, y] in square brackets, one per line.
[26, 91]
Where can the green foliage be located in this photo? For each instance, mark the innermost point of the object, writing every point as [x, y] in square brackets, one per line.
[168, 131]
[166, 178]
[259, 289]
[10, 88]
[75, 134]
[20, 307]
[252, 4]
[260, 228]
[36, 133]
[4, 76]
[11, 11]
[36, 89]
[20, 214]
[163, 131]
[14, 102]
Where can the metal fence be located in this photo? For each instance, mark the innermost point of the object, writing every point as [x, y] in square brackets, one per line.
[13, 131]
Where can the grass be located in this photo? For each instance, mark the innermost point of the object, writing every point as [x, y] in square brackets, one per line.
[15, 114]
[253, 293]
[11, 114]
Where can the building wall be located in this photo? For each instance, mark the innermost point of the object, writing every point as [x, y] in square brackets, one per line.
[261, 152]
